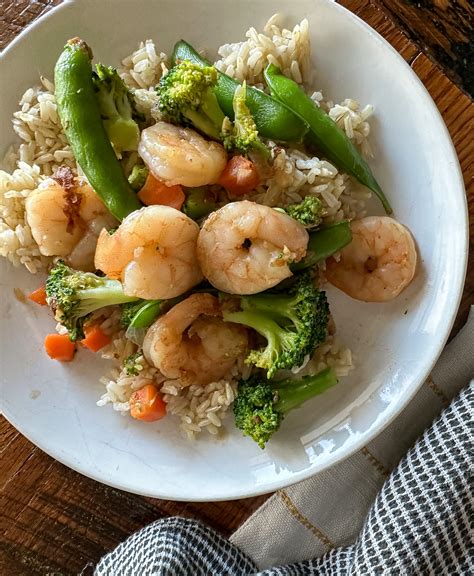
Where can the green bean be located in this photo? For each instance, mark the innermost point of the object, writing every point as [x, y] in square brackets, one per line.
[273, 119]
[80, 118]
[324, 132]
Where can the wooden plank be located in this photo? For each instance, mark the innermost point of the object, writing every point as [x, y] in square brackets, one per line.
[55, 521]
[15, 15]
[444, 29]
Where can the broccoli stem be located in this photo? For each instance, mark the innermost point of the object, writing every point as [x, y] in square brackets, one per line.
[264, 325]
[292, 394]
[138, 177]
[203, 123]
[272, 304]
[109, 295]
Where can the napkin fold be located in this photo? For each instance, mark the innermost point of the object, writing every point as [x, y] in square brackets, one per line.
[328, 510]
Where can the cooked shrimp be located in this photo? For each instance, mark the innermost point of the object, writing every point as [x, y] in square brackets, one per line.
[153, 252]
[65, 217]
[245, 248]
[378, 264]
[192, 344]
[178, 155]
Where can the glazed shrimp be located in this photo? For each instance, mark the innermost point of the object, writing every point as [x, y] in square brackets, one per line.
[178, 155]
[378, 264]
[192, 344]
[245, 248]
[153, 252]
[65, 217]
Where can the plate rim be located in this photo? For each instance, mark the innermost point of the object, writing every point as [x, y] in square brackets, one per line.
[392, 411]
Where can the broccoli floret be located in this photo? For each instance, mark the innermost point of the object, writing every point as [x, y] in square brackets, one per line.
[131, 365]
[73, 295]
[116, 109]
[129, 311]
[261, 405]
[293, 324]
[138, 177]
[187, 97]
[241, 135]
[309, 212]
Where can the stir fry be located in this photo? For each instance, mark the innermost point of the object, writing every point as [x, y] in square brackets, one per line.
[167, 228]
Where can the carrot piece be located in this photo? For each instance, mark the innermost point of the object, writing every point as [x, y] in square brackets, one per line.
[95, 338]
[147, 404]
[240, 176]
[59, 347]
[155, 191]
[39, 295]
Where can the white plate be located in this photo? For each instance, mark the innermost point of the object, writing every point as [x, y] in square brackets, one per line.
[396, 344]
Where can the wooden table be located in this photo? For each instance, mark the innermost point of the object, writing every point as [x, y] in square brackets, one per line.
[55, 521]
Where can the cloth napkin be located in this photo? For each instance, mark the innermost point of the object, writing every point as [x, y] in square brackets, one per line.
[329, 509]
[357, 517]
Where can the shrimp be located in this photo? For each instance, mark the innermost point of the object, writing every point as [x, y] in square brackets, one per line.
[65, 216]
[245, 248]
[153, 252]
[378, 264]
[178, 155]
[192, 344]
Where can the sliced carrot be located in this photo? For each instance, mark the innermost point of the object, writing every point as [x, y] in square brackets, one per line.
[39, 296]
[95, 338]
[59, 347]
[155, 191]
[240, 176]
[147, 404]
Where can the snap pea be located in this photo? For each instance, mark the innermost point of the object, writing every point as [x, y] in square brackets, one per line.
[273, 119]
[146, 315]
[324, 243]
[79, 113]
[324, 132]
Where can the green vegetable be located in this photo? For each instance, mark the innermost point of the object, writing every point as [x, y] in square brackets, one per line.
[324, 243]
[242, 134]
[186, 96]
[199, 202]
[140, 314]
[309, 211]
[138, 177]
[131, 365]
[81, 120]
[324, 132]
[116, 109]
[260, 405]
[273, 119]
[73, 295]
[293, 324]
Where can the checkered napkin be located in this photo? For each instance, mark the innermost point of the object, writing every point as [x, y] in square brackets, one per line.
[356, 518]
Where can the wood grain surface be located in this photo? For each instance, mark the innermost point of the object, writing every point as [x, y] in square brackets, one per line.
[54, 520]
[444, 29]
